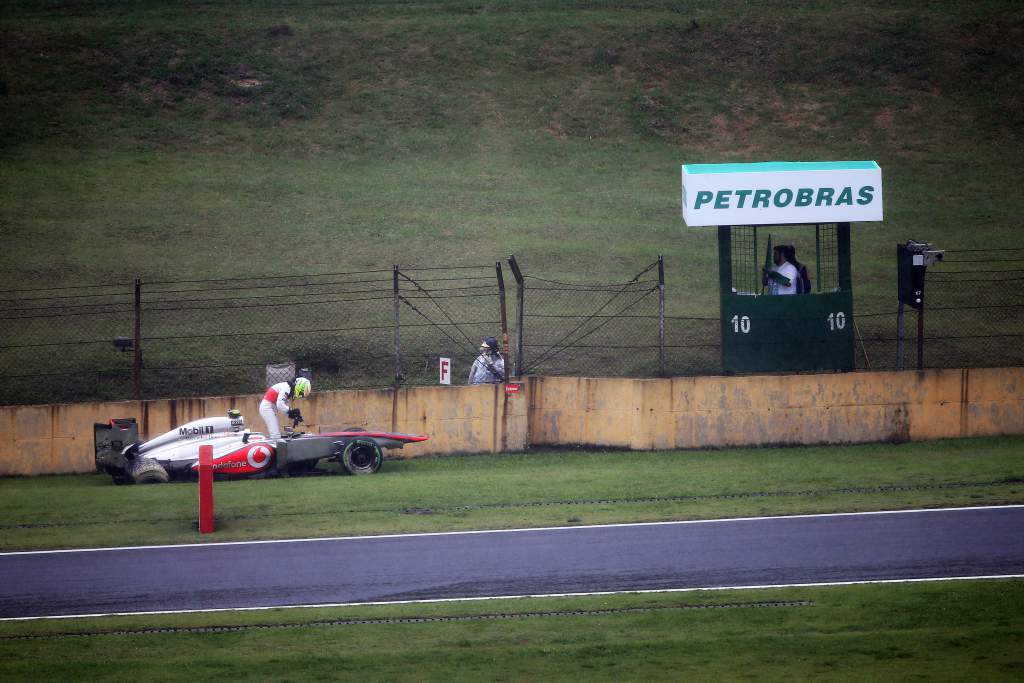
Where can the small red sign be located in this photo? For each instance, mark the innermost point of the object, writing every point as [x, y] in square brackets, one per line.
[511, 389]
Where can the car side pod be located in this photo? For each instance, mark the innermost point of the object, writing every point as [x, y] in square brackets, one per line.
[206, 489]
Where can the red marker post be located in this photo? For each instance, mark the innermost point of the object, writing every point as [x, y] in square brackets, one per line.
[206, 489]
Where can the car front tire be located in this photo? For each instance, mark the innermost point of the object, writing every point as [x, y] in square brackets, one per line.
[361, 456]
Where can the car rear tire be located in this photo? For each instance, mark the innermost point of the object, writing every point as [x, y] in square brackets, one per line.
[148, 471]
[361, 456]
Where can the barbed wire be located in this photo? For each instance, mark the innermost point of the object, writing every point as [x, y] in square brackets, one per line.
[987, 249]
[217, 335]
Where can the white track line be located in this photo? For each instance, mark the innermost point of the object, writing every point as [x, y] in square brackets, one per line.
[517, 597]
[507, 531]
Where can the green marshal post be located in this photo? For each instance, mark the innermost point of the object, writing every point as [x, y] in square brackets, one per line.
[810, 204]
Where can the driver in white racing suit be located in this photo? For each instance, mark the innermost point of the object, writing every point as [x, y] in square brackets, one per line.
[276, 400]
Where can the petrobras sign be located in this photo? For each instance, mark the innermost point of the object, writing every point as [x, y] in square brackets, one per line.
[782, 192]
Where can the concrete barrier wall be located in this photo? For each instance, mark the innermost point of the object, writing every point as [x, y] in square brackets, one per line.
[698, 412]
[53, 439]
[683, 412]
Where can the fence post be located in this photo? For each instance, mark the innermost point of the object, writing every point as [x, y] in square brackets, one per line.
[899, 337]
[398, 343]
[137, 335]
[920, 337]
[817, 254]
[502, 310]
[661, 315]
[520, 289]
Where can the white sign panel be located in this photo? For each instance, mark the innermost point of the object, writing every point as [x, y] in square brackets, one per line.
[778, 192]
[444, 367]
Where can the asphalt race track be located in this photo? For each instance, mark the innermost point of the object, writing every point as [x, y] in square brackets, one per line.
[971, 542]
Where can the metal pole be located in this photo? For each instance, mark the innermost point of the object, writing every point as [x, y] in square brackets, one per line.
[520, 290]
[502, 309]
[137, 333]
[520, 299]
[661, 315]
[899, 337]
[398, 342]
[920, 336]
[817, 254]
[754, 274]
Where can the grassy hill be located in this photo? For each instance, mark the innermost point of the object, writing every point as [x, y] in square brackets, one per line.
[153, 138]
[227, 139]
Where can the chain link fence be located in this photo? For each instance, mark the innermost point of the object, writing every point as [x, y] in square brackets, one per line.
[186, 338]
[444, 313]
[56, 344]
[592, 329]
[389, 327]
[199, 335]
[973, 317]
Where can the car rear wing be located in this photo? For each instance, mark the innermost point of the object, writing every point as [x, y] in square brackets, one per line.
[111, 438]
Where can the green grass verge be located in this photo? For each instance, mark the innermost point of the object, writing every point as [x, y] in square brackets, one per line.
[949, 631]
[519, 490]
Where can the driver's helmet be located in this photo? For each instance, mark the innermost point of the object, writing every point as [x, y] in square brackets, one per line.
[303, 387]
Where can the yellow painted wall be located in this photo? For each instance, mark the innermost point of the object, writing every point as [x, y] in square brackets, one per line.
[53, 439]
[681, 412]
[699, 412]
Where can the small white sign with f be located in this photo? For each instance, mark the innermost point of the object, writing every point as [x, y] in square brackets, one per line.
[445, 368]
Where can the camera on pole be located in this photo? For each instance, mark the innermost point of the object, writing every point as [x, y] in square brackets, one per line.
[912, 260]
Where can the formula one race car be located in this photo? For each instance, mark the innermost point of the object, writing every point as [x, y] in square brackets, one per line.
[237, 452]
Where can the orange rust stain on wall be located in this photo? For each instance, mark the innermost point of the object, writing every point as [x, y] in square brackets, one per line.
[642, 414]
[59, 438]
[701, 412]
